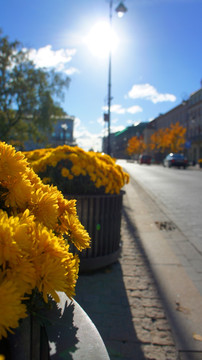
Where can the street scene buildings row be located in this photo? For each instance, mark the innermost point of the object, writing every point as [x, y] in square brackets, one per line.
[188, 114]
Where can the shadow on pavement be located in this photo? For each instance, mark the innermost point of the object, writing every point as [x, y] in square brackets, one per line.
[103, 296]
[162, 298]
[123, 302]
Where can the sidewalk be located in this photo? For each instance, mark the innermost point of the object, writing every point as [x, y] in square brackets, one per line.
[181, 300]
[128, 301]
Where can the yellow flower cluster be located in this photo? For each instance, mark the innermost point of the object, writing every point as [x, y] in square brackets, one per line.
[37, 225]
[97, 169]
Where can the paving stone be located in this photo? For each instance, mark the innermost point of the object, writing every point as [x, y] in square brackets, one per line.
[138, 313]
[154, 313]
[143, 335]
[153, 352]
[161, 338]
[151, 303]
[148, 315]
[135, 302]
[124, 304]
[162, 324]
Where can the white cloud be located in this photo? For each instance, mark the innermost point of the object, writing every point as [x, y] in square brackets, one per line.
[71, 71]
[113, 129]
[114, 121]
[117, 128]
[134, 109]
[49, 58]
[118, 109]
[85, 139]
[148, 92]
[132, 122]
[101, 121]
[77, 122]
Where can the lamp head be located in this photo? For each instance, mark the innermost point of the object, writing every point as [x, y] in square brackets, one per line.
[121, 9]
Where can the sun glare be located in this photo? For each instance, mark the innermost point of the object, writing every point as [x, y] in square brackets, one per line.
[101, 39]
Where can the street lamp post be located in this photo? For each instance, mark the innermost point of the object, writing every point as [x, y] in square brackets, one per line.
[64, 129]
[120, 9]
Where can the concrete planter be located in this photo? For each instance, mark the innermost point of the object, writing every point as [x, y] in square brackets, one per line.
[68, 333]
[101, 217]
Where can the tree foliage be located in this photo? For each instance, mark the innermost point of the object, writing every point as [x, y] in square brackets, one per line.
[136, 145]
[170, 139]
[27, 95]
[177, 137]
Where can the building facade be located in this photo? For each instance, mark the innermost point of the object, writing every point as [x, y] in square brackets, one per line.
[189, 115]
[119, 140]
[63, 130]
[194, 126]
[178, 114]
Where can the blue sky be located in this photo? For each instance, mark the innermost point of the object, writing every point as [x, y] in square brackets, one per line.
[156, 65]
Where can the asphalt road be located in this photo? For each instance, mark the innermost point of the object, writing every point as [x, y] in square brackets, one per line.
[178, 195]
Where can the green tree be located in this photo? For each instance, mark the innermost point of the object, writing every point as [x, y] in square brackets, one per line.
[27, 95]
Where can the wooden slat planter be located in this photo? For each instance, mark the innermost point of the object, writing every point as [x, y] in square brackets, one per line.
[101, 217]
[29, 341]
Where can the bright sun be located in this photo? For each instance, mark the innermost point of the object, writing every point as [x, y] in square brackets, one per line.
[101, 39]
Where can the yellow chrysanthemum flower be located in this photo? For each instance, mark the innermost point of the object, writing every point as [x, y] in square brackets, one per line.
[34, 179]
[11, 162]
[11, 308]
[91, 168]
[23, 275]
[67, 205]
[45, 208]
[19, 193]
[22, 232]
[9, 249]
[34, 256]
[73, 157]
[51, 276]
[44, 241]
[72, 269]
[46, 180]
[66, 173]
[76, 231]
[76, 170]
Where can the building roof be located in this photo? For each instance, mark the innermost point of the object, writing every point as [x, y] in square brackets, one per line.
[133, 128]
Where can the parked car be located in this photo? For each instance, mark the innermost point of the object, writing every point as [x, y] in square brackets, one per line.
[178, 160]
[145, 159]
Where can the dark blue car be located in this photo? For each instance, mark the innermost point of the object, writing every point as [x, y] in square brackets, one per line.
[173, 159]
